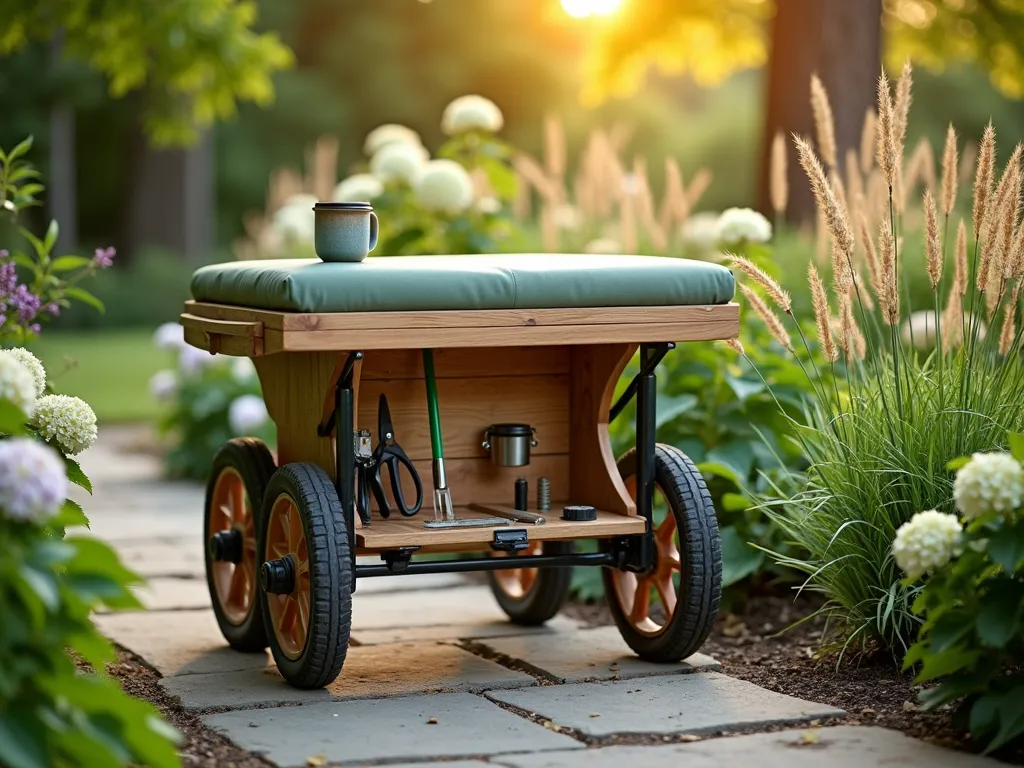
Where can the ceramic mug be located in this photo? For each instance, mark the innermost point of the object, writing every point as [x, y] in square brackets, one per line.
[344, 231]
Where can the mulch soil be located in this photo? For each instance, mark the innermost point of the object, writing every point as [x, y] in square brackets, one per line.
[752, 644]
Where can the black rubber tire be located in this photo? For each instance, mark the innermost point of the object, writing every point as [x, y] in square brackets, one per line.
[546, 595]
[252, 460]
[700, 585]
[330, 565]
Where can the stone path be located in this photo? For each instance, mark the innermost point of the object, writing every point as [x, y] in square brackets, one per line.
[421, 684]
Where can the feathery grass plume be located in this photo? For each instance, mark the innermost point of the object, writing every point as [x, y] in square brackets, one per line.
[932, 246]
[854, 183]
[865, 295]
[1017, 252]
[952, 319]
[889, 298]
[554, 146]
[735, 345]
[921, 166]
[850, 337]
[867, 141]
[674, 200]
[877, 199]
[698, 186]
[901, 108]
[968, 158]
[949, 168]
[824, 125]
[819, 300]
[885, 132]
[899, 189]
[960, 276]
[762, 278]
[770, 319]
[1008, 224]
[999, 223]
[779, 182]
[834, 215]
[870, 255]
[1009, 325]
[983, 177]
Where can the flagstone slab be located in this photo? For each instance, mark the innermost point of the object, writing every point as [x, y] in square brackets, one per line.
[461, 631]
[386, 730]
[163, 558]
[446, 607]
[695, 704]
[590, 654]
[837, 747]
[370, 672]
[178, 642]
[162, 594]
[376, 585]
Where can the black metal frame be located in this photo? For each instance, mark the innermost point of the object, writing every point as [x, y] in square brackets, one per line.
[631, 553]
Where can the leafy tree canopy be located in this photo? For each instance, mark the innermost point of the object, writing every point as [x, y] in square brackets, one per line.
[195, 59]
[712, 39]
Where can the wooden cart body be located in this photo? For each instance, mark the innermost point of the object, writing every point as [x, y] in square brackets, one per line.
[555, 369]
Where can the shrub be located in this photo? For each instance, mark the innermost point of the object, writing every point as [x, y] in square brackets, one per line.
[972, 604]
[900, 399]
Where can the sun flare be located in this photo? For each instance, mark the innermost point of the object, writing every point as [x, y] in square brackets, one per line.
[580, 9]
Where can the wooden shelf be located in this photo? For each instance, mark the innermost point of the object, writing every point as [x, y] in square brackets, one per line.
[399, 531]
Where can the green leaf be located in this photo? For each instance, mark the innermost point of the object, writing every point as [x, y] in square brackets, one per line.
[744, 388]
[76, 475]
[954, 464]
[738, 454]
[1007, 549]
[948, 630]
[734, 502]
[669, 407]
[12, 418]
[21, 149]
[739, 559]
[999, 618]
[984, 716]
[71, 515]
[85, 297]
[43, 585]
[51, 235]
[67, 263]
[24, 740]
[23, 261]
[1011, 719]
[714, 469]
[1016, 440]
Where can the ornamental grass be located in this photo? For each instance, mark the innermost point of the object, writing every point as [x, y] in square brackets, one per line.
[904, 392]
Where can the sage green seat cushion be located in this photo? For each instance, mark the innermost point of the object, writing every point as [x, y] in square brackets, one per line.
[505, 281]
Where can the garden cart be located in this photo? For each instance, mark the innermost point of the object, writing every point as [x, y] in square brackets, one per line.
[527, 350]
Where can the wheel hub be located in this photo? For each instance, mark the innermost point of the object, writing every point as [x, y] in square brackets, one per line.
[277, 577]
[227, 546]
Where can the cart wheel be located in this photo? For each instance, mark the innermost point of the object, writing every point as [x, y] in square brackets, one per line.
[687, 576]
[241, 471]
[531, 596]
[306, 576]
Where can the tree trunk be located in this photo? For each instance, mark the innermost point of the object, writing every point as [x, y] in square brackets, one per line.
[839, 40]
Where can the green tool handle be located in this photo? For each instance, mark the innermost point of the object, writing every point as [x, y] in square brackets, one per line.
[432, 409]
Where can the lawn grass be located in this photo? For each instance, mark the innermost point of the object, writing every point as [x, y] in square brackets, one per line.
[109, 369]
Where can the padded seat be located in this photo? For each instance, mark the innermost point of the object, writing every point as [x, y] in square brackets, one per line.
[499, 281]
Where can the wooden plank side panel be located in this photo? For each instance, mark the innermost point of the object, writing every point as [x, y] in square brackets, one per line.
[462, 363]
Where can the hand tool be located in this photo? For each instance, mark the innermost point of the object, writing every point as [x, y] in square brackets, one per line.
[469, 522]
[388, 453]
[515, 515]
[443, 507]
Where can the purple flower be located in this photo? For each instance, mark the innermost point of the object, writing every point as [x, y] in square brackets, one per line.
[25, 303]
[35, 328]
[8, 278]
[104, 257]
[52, 308]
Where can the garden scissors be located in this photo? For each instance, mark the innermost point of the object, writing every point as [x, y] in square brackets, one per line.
[390, 454]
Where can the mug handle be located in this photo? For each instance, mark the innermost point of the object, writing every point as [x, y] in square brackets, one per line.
[373, 230]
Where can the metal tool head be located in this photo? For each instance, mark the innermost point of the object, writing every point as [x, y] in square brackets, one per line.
[385, 429]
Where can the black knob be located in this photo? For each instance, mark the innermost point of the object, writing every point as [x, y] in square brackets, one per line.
[277, 577]
[226, 546]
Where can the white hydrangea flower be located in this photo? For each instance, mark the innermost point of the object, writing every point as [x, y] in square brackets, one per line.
[33, 480]
[163, 385]
[17, 384]
[603, 245]
[399, 162]
[247, 413]
[390, 133]
[242, 369]
[170, 336]
[67, 421]
[192, 360]
[471, 113]
[927, 542]
[989, 482]
[700, 231]
[295, 219]
[358, 188]
[33, 364]
[488, 204]
[444, 185]
[737, 225]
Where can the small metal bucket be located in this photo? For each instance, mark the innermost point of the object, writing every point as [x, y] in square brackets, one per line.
[509, 444]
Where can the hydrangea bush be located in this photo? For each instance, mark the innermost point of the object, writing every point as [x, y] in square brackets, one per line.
[208, 399]
[972, 602]
[54, 711]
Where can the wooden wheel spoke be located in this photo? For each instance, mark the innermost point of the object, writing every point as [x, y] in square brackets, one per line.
[303, 604]
[666, 530]
[641, 608]
[294, 529]
[302, 570]
[238, 503]
[527, 576]
[237, 589]
[667, 592]
[224, 520]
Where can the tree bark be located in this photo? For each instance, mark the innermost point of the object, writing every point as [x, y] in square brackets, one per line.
[840, 40]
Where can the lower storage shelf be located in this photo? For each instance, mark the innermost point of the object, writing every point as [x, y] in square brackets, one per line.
[397, 531]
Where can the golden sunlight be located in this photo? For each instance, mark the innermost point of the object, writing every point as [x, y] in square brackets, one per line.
[580, 9]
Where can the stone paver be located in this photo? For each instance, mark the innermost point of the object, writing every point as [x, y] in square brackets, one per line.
[383, 584]
[461, 631]
[446, 607]
[589, 654]
[386, 730]
[179, 642]
[162, 594]
[370, 672]
[695, 704]
[838, 747]
[164, 558]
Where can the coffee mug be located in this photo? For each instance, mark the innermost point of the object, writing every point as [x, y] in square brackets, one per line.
[344, 231]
